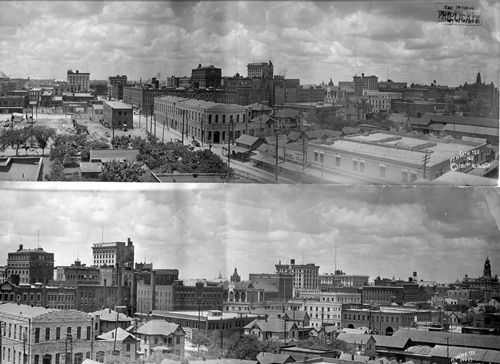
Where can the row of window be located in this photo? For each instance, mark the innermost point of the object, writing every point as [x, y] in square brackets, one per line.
[58, 333]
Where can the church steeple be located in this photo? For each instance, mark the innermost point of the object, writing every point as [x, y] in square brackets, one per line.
[235, 277]
[487, 268]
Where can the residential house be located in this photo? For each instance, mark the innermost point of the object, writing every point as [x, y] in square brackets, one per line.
[358, 342]
[115, 343]
[273, 328]
[244, 145]
[161, 336]
[109, 320]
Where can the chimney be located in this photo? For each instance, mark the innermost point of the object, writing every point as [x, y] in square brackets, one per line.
[20, 247]
[292, 261]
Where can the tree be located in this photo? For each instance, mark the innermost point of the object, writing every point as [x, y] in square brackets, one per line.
[245, 348]
[42, 135]
[14, 138]
[117, 171]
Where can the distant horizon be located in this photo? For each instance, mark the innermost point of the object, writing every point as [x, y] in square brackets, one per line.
[314, 41]
[336, 83]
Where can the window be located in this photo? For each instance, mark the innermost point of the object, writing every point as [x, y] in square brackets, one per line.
[58, 333]
[321, 157]
[47, 334]
[128, 347]
[382, 170]
[362, 166]
[78, 332]
[354, 165]
[337, 161]
[404, 175]
[68, 330]
[316, 156]
[413, 176]
[88, 332]
[37, 335]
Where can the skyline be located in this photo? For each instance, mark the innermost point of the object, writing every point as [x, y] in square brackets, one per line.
[441, 233]
[310, 40]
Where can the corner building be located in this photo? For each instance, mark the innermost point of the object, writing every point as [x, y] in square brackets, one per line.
[36, 335]
[206, 121]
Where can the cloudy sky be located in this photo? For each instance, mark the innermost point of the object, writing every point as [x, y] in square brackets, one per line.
[310, 40]
[441, 233]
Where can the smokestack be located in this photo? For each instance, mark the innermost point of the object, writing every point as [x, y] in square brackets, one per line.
[292, 261]
[20, 247]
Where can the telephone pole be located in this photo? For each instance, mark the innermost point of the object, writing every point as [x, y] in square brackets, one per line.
[425, 160]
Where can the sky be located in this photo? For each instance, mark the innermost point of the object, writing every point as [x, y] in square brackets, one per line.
[312, 40]
[440, 233]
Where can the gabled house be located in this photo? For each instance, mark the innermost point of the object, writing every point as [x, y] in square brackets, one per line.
[119, 340]
[108, 320]
[161, 336]
[301, 318]
[272, 328]
[244, 145]
[358, 342]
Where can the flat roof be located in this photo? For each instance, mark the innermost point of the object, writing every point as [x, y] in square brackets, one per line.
[14, 170]
[118, 105]
[203, 315]
[439, 151]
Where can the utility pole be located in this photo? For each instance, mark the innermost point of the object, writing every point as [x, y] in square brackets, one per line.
[277, 171]
[425, 160]
[229, 146]
[182, 127]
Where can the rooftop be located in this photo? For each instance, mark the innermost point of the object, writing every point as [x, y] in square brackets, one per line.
[118, 105]
[20, 168]
[403, 149]
[203, 315]
[159, 327]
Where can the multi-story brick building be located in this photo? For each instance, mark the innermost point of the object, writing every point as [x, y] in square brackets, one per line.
[260, 70]
[206, 77]
[11, 104]
[82, 79]
[37, 335]
[115, 253]
[384, 320]
[305, 276]
[180, 297]
[142, 98]
[115, 86]
[30, 266]
[118, 115]
[78, 273]
[206, 121]
[364, 83]
[340, 279]
[325, 308]
[61, 88]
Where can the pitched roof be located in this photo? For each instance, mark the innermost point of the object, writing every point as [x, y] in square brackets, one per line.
[262, 118]
[349, 130]
[453, 119]
[293, 135]
[390, 341]
[286, 113]
[259, 107]
[247, 140]
[419, 349]
[450, 338]
[158, 327]
[471, 129]
[119, 333]
[268, 358]
[111, 315]
[354, 338]
[297, 315]
[271, 325]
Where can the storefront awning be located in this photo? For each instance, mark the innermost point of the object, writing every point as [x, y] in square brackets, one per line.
[291, 166]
